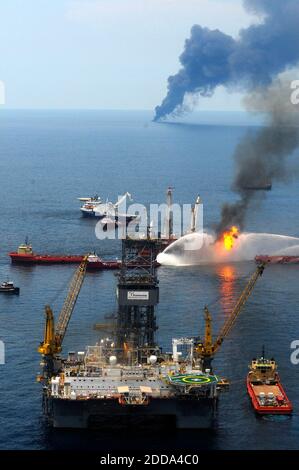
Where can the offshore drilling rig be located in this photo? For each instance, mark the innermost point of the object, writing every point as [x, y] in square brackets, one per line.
[127, 380]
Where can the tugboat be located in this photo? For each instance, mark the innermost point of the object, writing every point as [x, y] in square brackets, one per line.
[8, 287]
[265, 389]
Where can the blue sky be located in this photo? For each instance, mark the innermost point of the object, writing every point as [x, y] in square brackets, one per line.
[103, 54]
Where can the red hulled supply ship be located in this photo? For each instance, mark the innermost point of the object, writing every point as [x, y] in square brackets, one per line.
[265, 389]
[278, 259]
[26, 256]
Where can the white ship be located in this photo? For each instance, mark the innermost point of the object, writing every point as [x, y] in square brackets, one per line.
[90, 204]
[108, 212]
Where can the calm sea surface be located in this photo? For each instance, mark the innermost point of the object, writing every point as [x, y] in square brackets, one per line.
[47, 160]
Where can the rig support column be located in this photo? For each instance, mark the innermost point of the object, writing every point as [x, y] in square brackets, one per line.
[137, 294]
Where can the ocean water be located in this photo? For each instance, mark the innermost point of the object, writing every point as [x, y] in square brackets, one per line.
[47, 160]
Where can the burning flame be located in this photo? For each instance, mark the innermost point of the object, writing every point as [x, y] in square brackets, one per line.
[229, 238]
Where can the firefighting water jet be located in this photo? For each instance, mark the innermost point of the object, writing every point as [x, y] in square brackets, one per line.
[207, 248]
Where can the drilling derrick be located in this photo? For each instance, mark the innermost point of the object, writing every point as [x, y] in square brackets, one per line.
[137, 294]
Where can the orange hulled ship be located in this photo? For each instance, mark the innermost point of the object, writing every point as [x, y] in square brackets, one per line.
[26, 256]
[265, 389]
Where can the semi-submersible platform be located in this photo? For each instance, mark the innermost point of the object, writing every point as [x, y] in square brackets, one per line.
[127, 380]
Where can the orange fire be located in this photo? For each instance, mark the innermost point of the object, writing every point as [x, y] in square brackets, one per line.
[229, 238]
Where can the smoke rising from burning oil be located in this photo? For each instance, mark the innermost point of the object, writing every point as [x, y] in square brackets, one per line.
[212, 58]
[253, 62]
[261, 157]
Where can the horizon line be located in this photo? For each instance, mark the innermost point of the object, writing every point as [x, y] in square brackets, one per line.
[4, 108]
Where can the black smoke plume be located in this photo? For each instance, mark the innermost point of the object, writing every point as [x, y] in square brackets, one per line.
[261, 158]
[212, 58]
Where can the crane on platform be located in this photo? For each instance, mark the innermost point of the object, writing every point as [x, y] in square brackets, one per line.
[54, 334]
[208, 348]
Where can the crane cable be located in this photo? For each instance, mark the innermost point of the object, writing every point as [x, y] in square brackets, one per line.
[59, 291]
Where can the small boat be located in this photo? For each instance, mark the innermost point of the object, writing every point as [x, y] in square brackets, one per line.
[8, 287]
[278, 259]
[92, 200]
[265, 389]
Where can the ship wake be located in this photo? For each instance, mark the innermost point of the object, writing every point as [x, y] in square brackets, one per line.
[203, 249]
